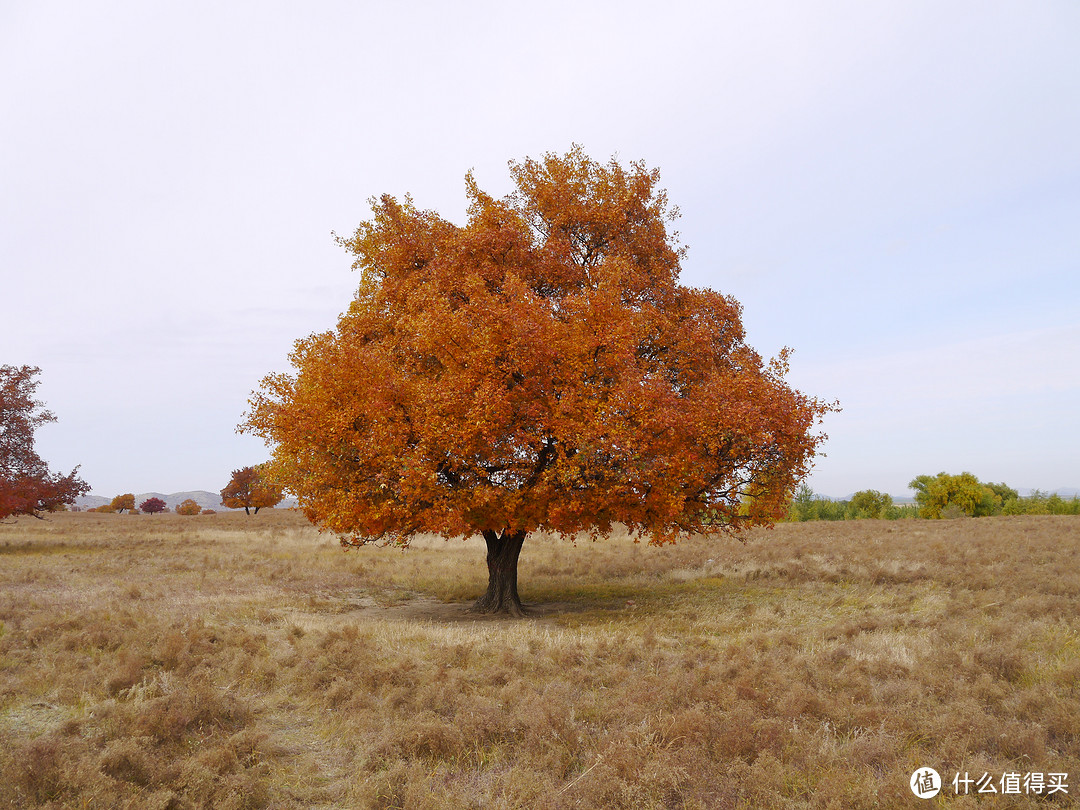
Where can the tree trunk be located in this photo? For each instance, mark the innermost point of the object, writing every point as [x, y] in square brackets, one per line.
[502, 559]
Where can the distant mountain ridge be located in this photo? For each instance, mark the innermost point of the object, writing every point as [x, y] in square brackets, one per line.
[204, 498]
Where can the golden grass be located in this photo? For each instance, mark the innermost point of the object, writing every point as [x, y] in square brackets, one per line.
[225, 661]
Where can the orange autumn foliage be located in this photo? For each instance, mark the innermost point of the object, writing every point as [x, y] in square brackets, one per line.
[540, 368]
[247, 490]
[188, 507]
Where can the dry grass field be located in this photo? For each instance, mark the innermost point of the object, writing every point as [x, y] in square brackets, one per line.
[223, 661]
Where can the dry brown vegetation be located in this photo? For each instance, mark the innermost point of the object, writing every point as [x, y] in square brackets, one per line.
[224, 661]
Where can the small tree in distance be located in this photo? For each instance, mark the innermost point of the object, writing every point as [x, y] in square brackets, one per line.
[248, 490]
[122, 502]
[870, 503]
[152, 506]
[188, 507]
[540, 368]
[963, 494]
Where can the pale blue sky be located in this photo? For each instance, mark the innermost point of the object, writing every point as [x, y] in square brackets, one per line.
[890, 188]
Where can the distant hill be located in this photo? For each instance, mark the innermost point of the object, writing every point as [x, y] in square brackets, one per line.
[205, 499]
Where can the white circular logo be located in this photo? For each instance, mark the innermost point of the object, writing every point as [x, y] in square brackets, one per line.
[925, 783]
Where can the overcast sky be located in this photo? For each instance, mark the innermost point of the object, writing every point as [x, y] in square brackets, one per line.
[892, 189]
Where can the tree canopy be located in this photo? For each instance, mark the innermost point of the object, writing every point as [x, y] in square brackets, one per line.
[122, 502]
[188, 507]
[27, 487]
[539, 368]
[248, 490]
[152, 506]
[963, 493]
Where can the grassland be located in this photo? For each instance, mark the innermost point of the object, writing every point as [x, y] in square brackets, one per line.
[232, 662]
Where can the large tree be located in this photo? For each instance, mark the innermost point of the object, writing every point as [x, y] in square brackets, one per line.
[26, 485]
[539, 368]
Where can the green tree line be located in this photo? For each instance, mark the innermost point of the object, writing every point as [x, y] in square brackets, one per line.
[936, 496]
